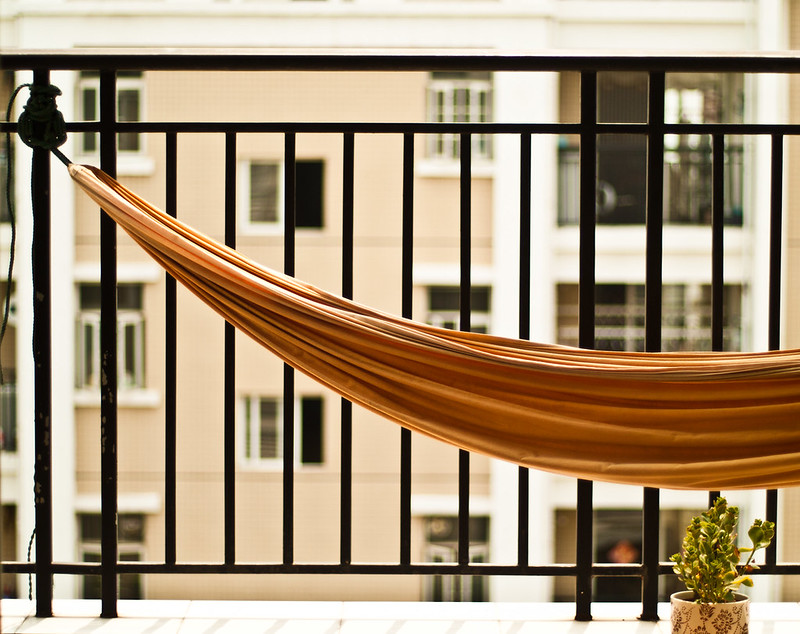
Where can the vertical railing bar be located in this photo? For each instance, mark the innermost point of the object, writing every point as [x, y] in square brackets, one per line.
[774, 317]
[523, 488]
[108, 355]
[653, 316]
[229, 406]
[717, 237]
[43, 372]
[346, 482]
[171, 369]
[465, 318]
[407, 307]
[655, 213]
[586, 290]
[771, 515]
[775, 238]
[290, 147]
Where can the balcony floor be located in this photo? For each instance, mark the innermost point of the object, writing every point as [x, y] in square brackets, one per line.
[222, 617]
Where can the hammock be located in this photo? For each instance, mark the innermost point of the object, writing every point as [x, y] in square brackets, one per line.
[685, 421]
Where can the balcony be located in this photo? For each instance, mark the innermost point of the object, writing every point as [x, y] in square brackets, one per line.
[687, 188]
[261, 471]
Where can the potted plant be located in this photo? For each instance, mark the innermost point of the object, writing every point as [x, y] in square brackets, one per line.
[709, 567]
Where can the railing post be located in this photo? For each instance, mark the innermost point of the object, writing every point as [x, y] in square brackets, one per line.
[290, 185]
[170, 370]
[523, 475]
[653, 315]
[774, 323]
[407, 296]
[346, 479]
[465, 241]
[587, 224]
[108, 355]
[43, 367]
[229, 450]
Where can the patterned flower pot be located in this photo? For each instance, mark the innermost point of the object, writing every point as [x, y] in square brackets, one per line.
[688, 617]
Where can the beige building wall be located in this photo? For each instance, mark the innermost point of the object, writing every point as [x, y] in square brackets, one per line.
[376, 443]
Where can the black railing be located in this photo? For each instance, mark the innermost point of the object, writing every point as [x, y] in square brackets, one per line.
[587, 130]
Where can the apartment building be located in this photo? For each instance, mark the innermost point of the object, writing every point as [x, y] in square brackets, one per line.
[713, 25]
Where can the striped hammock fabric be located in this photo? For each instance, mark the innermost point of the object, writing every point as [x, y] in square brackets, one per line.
[674, 420]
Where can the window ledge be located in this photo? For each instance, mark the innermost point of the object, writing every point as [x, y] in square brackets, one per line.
[444, 168]
[125, 398]
[375, 617]
[127, 164]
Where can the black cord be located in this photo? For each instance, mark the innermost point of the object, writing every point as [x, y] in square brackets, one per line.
[40, 125]
[13, 223]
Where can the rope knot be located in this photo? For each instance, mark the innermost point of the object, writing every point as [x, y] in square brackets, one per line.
[41, 124]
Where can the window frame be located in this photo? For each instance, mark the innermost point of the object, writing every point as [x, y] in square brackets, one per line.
[134, 162]
[244, 197]
[480, 320]
[89, 318]
[685, 319]
[249, 427]
[89, 550]
[455, 588]
[442, 105]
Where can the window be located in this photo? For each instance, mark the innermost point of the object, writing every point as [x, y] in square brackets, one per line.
[618, 540]
[444, 307]
[8, 548]
[130, 336]
[459, 98]
[130, 87]
[262, 197]
[8, 417]
[687, 157]
[622, 158]
[130, 532]
[5, 154]
[441, 537]
[262, 430]
[620, 316]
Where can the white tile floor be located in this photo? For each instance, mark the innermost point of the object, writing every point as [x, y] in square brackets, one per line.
[226, 617]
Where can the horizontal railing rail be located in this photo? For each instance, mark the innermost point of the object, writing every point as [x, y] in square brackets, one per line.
[587, 130]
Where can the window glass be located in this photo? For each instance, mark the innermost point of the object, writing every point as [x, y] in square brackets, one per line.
[131, 534]
[264, 192]
[621, 193]
[265, 199]
[130, 86]
[268, 436]
[459, 97]
[311, 445]
[444, 308]
[262, 433]
[309, 197]
[130, 336]
[7, 178]
[441, 546]
[620, 316]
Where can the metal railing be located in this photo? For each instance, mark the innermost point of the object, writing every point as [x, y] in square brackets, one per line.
[587, 129]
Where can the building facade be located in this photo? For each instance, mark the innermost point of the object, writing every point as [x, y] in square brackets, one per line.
[713, 25]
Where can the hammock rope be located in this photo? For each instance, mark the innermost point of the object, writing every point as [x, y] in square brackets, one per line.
[672, 420]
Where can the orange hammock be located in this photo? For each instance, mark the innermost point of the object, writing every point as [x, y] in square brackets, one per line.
[684, 421]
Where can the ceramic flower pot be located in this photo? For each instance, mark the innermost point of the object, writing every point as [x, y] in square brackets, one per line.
[689, 617]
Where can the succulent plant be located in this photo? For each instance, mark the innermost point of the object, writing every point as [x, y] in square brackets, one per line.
[709, 561]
